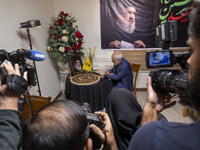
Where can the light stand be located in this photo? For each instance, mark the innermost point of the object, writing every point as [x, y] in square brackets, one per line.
[30, 45]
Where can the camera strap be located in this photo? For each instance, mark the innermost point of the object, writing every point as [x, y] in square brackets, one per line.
[105, 141]
[16, 84]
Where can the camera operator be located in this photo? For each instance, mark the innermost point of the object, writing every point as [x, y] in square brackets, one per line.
[63, 125]
[10, 130]
[165, 135]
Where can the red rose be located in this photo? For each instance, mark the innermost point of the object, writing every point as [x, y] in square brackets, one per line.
[50, 35]
[58, 37]
[60, 22]
[79, 35]
[62, 13]
[66, 14]
[79, 43]
[50, 28]
[75, 47]
[67, 49]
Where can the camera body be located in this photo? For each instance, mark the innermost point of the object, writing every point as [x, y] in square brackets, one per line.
[93, 119]
[16, 57]
[168, 80]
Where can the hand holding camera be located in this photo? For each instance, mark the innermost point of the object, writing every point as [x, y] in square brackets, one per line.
[10, 98]
[101, 128]
[158, 101]
[108, 140]
[168, 80]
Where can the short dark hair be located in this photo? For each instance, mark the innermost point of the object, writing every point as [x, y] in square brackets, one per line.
[194, 25]
[61, 125]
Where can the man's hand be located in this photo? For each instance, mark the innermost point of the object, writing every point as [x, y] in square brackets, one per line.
[9, 99]
[111, 143]
[115, 44]
[155, 103]
[106, 72]
[139, 44]
[156, 100]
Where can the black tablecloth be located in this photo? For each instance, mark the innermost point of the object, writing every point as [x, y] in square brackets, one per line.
[94, 94]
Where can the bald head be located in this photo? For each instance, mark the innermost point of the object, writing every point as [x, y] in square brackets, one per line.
[116, 57]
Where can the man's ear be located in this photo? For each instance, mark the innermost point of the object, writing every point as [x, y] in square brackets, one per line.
[88, 145]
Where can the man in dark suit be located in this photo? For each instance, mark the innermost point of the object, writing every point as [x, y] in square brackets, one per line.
[121, 74]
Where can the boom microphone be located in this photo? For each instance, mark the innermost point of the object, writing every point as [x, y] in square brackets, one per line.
[31, 54]
[31, 24]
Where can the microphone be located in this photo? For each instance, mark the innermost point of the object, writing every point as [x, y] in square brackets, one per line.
[31, 24]
[31, 54]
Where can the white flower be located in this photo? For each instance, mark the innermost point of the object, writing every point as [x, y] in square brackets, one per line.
[76, 39]
[74, 25]
[49, 48]
[64, 31]
[64, 38]
[61, 49]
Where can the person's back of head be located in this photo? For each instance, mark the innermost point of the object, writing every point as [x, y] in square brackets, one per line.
[194, 25]
[61, 125]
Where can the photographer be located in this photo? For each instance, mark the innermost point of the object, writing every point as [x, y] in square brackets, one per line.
[165, 135]
[63, 125]
[10, 130]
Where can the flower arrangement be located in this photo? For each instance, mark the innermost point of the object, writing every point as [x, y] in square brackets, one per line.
[64, 37]
[90, 53]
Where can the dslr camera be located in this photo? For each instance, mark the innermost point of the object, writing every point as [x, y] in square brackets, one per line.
[93, 119]
[18, 56]
[168, 80]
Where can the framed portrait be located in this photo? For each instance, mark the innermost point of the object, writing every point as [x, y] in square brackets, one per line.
[76, 63]
[131, 24]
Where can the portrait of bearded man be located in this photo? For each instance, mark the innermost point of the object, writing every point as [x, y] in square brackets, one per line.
[120, 27]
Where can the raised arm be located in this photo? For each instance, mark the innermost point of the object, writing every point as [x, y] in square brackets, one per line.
[10, 130]
[155, 103]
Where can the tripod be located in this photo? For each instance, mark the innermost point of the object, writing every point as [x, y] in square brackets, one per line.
[30, 45]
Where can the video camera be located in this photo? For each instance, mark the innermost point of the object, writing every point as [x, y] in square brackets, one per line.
[18, 56]
[168, 80]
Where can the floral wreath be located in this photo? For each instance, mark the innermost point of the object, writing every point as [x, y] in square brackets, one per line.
[64, 37]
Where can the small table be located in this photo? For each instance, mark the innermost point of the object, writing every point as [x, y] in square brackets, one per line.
[94, 94]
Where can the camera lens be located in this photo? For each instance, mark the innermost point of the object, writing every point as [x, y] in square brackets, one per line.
[86, 107]
[168, 80]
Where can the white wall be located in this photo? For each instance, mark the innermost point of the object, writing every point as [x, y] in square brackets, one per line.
[12, 13]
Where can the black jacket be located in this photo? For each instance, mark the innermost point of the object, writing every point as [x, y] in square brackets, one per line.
[10, 130]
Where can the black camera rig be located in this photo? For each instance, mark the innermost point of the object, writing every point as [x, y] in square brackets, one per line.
[169, 80]
[18, 57]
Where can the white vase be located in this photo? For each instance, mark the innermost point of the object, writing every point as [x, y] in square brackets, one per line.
[63, 70]
[62, 66]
